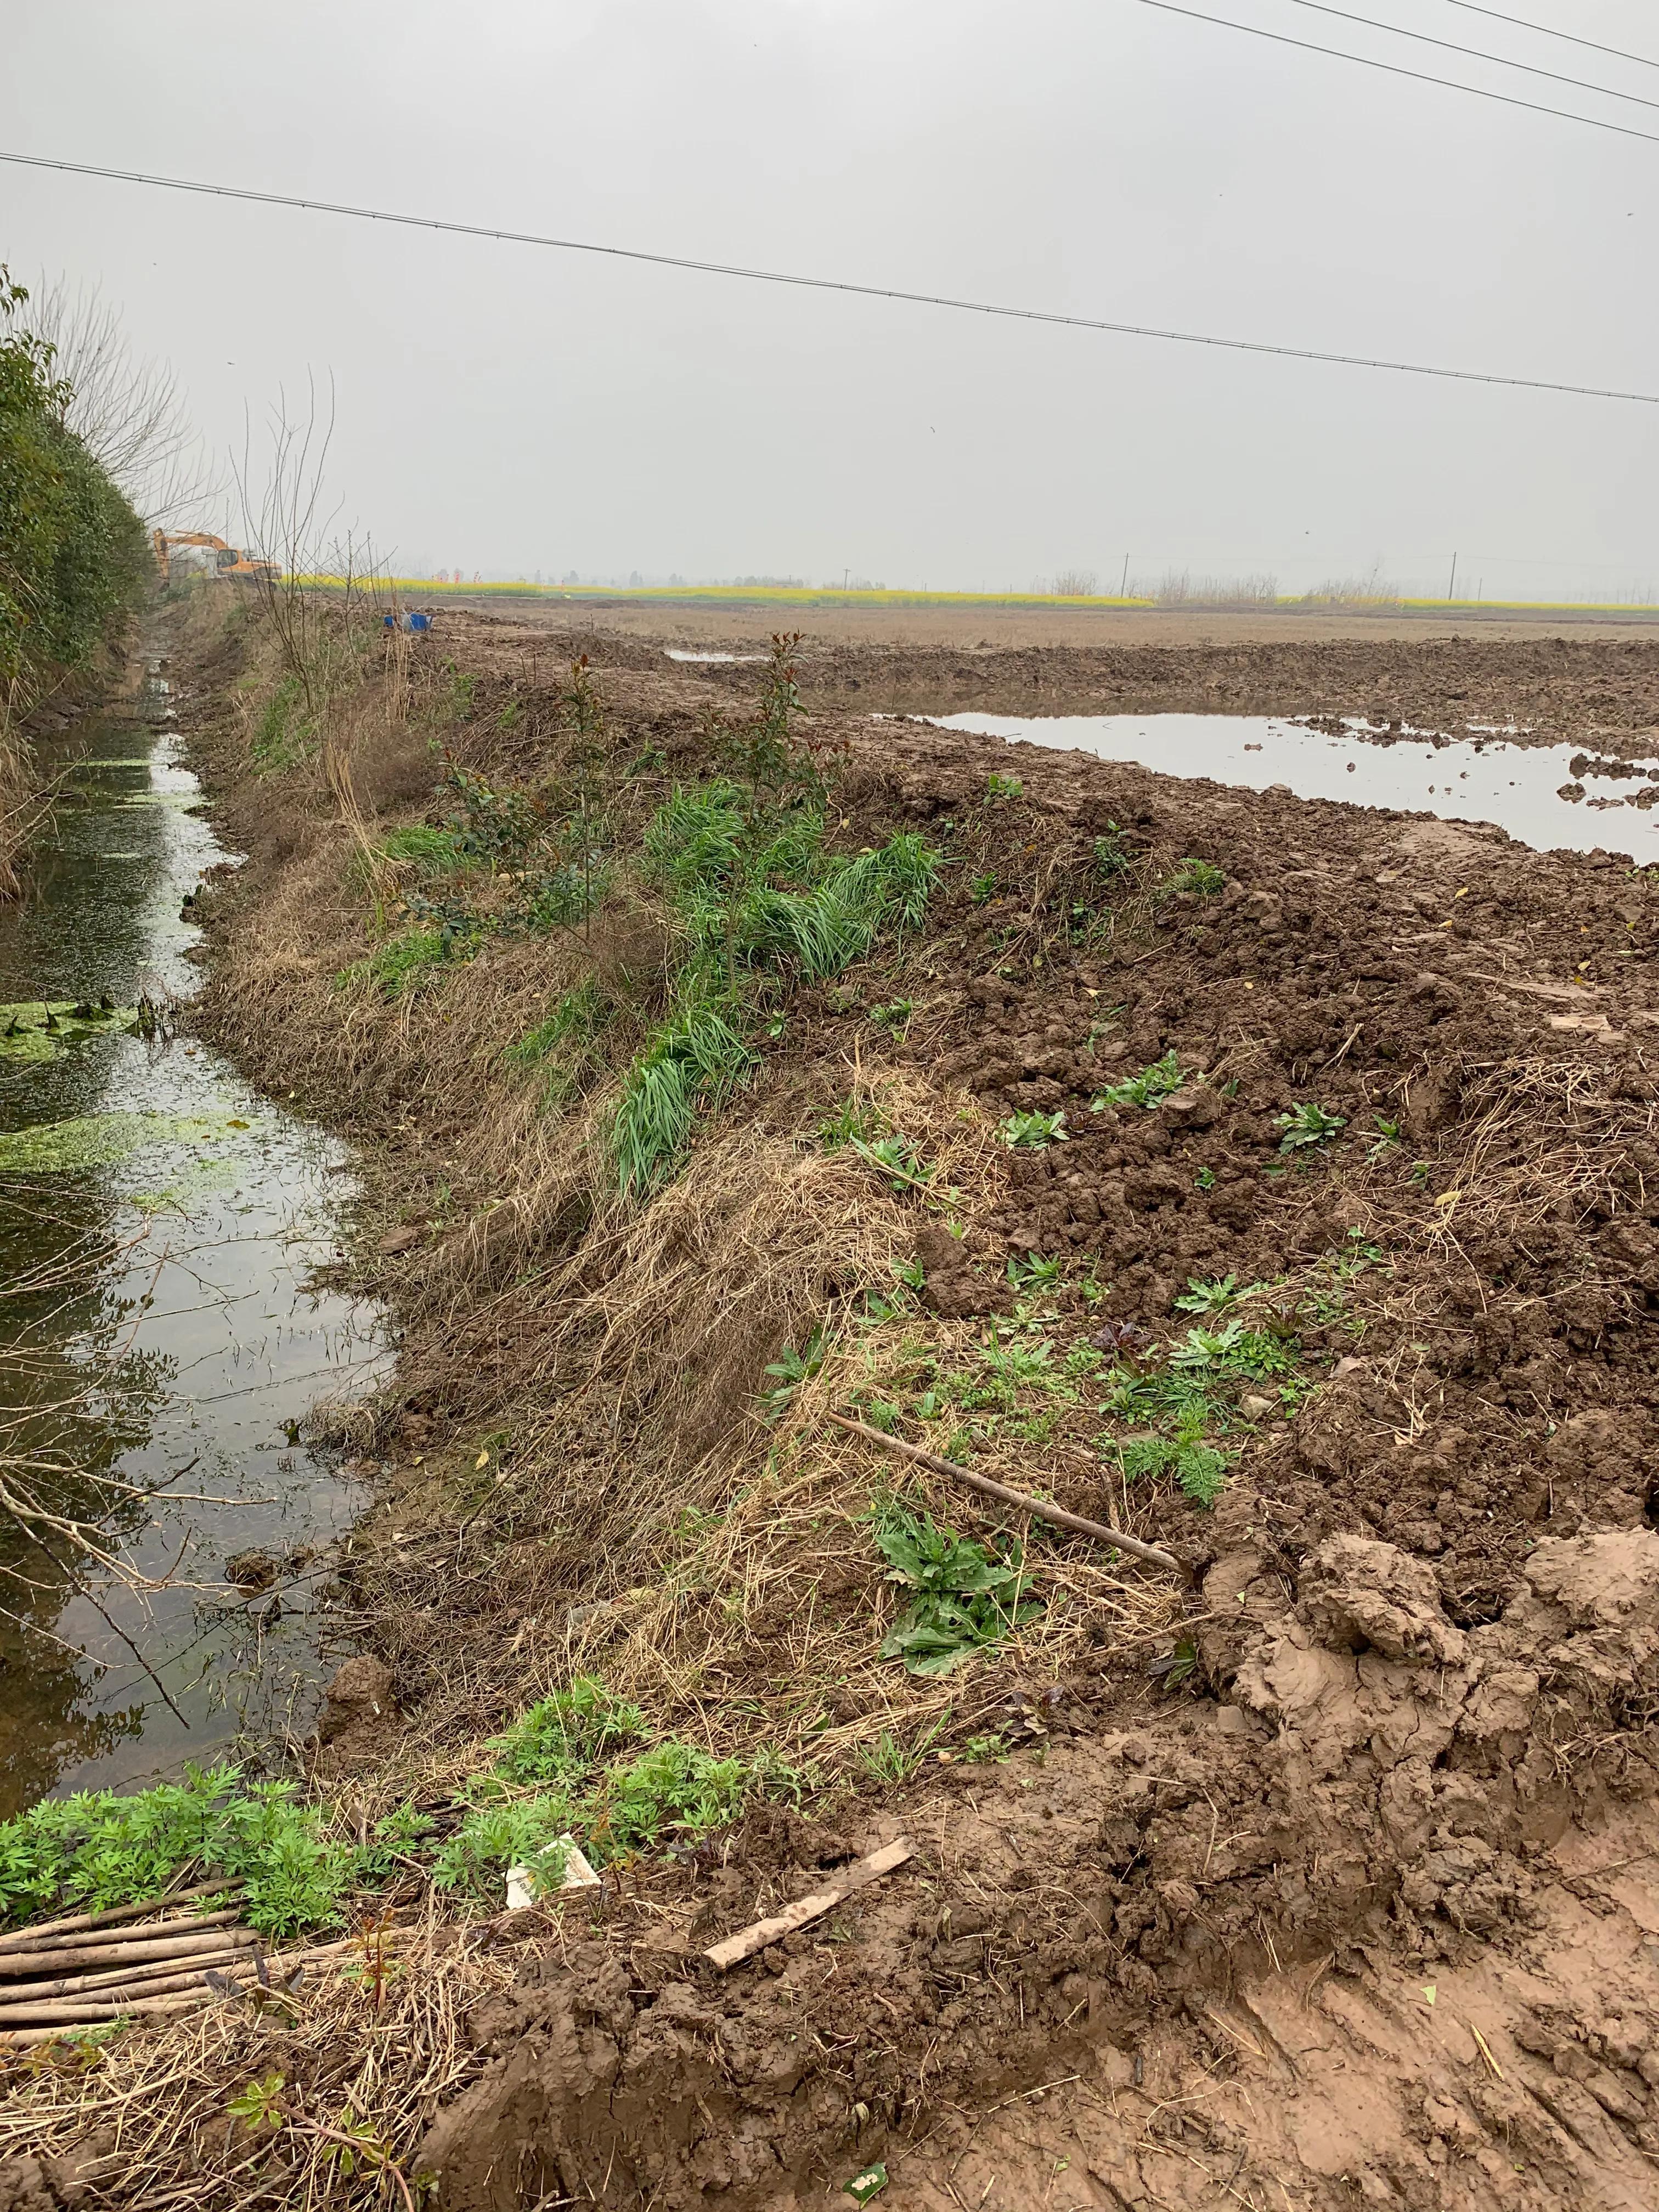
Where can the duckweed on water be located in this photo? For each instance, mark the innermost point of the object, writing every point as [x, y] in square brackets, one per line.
[100, 1140]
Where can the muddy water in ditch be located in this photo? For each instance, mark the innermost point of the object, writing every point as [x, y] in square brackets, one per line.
[1467, 780]
[160, 1336]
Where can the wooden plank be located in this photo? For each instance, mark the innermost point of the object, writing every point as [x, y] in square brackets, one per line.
[756, 1937]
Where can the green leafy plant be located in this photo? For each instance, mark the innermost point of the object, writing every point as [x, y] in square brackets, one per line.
[1037, 1271]
[1200, 1470]
[1147, 1089]
[998, 785]
[566, 1733]
[962, 1600]
[1201, 1298]
[97, 1850]
[1205, 1179]
[895, 1156]
[1307, 1124]
[895, 1016]
[674, 1792]
[259, 2103]
[522, 1832]
[1112, 858]
[1032, 1129]
[1387, 1136]
[789, 1370]
[854, 1117]
[982, 890]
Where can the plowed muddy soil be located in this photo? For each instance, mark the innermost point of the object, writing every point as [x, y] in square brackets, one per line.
[1324, 1873]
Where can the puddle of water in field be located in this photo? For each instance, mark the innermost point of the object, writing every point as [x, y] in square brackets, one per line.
[160, 1330]
[707, 659]
[1483, 780]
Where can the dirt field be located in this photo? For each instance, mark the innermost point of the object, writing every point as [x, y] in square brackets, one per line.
[1273, 1179]
[1594, 684]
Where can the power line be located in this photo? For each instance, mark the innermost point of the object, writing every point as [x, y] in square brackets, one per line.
[820, 283]
[1393, 68]
[1545, 31]
[1475, 53]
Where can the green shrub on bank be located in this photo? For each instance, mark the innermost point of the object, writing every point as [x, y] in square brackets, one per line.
[72, 552]
[97, 1850]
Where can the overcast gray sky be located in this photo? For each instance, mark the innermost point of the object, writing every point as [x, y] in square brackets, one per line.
[505, 409]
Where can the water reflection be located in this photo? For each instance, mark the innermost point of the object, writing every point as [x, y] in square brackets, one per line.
[1534, 792]
[160, 1329]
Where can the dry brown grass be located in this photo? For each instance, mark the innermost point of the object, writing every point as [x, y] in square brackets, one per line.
[143, 2120]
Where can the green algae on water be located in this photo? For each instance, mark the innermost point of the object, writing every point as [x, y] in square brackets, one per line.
[99, 1140]
[24, 1034]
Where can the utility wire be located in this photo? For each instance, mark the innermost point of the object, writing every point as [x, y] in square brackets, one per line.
[1475, 53]
[1545, 31]
[819, 284]
[1393, 68]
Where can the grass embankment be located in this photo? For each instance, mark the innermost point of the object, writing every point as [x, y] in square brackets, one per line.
[73, 562]
[626, 1022]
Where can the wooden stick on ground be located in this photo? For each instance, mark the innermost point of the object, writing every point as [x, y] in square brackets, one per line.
[34, 1964]
[1152, 1553]
[26, 1939]
[83, 1942]
[760, 1933]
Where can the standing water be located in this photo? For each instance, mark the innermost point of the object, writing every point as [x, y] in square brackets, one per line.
[160, 1336]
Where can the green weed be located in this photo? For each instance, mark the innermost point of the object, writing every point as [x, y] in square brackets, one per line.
[789, 1370]
[962, 1600]
[97, 1850]
[1307, 1124]
[982, 890]
[1200, 1470]
[1146, 1090]
[567, 1732]
[696, 1060]
[490, 1839]
[998, 785]
[1032, 1129]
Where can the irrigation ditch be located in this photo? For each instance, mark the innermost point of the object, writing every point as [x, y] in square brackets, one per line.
[761, 1115]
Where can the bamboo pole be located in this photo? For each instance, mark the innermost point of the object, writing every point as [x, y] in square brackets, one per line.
[36, 1963]
[26, 1938]
[86, 1939]
[1152, 1553]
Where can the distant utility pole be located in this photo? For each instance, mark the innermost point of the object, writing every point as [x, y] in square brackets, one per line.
[1123, 588]
[845, 574]
[1451, 588]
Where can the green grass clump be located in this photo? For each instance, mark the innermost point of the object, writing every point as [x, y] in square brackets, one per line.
[97, 1850]
[433, 851]
[696, 1060]
[283, 733]
[1202, 878]
[404, 963]
[580, 1018]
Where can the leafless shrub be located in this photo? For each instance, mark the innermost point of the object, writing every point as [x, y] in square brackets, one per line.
[129, 411]
[1177, 587]
[1075, 584]
[1373, 589]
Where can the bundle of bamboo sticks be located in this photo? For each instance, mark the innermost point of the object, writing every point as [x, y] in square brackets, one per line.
[133, 1962]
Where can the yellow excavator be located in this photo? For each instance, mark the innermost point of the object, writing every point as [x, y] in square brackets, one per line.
[229, 561]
